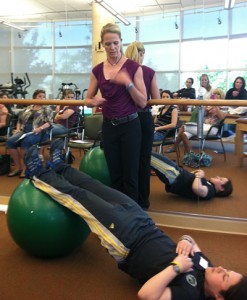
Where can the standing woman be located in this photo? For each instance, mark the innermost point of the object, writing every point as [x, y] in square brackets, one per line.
[135, 52]
[122, 88]
[238, 90]
[204, 82]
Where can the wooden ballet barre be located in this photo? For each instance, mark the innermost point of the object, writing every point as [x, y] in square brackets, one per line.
[43, 102]
[209, 102]
[222, 102]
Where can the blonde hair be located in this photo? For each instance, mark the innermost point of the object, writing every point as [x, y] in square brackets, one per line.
[110, 28]
[132, 51]
[220, 92]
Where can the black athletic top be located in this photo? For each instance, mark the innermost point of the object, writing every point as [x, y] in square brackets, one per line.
[153, 254]
[183, 186]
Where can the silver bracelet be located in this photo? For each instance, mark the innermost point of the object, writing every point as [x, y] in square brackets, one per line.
[187, 238]
[130, 86]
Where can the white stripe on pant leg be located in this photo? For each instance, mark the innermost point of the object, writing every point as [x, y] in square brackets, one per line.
[169, 171]
[114, 246]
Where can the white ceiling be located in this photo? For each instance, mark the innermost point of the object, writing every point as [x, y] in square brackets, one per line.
[54, 10]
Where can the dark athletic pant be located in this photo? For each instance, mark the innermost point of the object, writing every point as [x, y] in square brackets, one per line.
[117, 220]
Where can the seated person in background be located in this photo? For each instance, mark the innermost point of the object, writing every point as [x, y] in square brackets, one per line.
[213, 114]
[238, 91]
[204, 82]
[192, 185]
[3, 118]
[35, 119]
[188, 92]
[4, 95]
[140, 248]
[66, 116]
[166, 119]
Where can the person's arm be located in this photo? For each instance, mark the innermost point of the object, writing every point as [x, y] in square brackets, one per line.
[244, 95]
[157, 286]
[229, 94]
[136, 89]
[215, 110]
[3, 117]
[91, 99]
[17, 128]
[173, 123]
[65, 115]
[155, 94]
[198, 188]
[188, 93]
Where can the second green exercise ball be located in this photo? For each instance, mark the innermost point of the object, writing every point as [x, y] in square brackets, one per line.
[94, 164]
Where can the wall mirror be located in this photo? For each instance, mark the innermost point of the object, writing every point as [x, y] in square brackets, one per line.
[53, 45]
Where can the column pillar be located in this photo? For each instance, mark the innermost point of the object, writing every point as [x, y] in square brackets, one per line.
[100, 17]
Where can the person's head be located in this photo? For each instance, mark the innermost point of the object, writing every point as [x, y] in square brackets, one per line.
[222, 185]
[68, 94]
[135, 51]
[239, 83]
[189, 82]
[3, 95]
[237, 291]
[218, 94]
[219, 283]
[204, 81]
[39, 94]
[111, 39]
[166, 94]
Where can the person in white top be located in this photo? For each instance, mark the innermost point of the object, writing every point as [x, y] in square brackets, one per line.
[204, 82]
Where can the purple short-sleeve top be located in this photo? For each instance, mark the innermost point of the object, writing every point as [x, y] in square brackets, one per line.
[119, 102]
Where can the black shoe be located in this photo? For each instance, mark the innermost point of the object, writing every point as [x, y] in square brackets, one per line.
[56, 152]
[32, 162]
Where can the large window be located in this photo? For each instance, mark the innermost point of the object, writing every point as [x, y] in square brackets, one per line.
[204, 54]
[178, 45]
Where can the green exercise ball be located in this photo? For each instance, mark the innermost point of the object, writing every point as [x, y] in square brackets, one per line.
[41, 226]
[94, 164]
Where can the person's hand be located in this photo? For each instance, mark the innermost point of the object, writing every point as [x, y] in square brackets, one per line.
[37, 130]
[200, 173]
[97, 101]
[184, 262]
[184, 247]
[122, 77]
[16, 131]
[235, 93]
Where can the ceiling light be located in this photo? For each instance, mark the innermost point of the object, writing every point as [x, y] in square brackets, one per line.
[12, 25]
[229, 4]
[112, 11]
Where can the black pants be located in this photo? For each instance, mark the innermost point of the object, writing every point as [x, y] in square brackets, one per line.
[147, 128]
[122, 144]
[118, 221]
